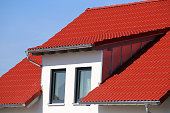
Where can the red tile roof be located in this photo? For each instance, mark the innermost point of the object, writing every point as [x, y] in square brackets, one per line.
[98, 24]
[21, 84]
[146, 79]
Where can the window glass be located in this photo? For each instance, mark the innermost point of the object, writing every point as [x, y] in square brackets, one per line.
[58, 86]
[83, 82]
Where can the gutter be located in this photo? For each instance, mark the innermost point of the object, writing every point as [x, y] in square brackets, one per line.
[11, 105]
[123, 103]
[19, 105]
[145, 103]
[27, 53]
[60, 48]
[56, 49]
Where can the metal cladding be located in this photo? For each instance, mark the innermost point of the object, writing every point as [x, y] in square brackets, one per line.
[110, 22]
[146, 79]
[21, 84]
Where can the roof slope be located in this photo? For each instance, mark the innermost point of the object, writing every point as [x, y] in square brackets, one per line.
[98, 24]
[21, 84]
[146, 79]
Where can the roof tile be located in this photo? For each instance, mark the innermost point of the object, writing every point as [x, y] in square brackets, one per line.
[21, 83]
[98, 24]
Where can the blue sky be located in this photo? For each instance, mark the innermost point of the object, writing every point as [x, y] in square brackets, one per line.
[29, 23]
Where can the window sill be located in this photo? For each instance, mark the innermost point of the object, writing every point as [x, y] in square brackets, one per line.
[56, 104]
[77, 104]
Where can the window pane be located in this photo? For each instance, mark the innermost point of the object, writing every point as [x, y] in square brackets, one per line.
[58, 86]
[84, 82]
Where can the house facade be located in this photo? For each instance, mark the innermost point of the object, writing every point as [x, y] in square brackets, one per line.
[69, 63]
[109, 59]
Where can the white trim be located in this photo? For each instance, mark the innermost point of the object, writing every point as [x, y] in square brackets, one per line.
[77, 104]
[56, 104]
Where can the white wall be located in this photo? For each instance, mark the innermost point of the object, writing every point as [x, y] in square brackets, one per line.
[70, 61]
[163, 108]
[35, 108]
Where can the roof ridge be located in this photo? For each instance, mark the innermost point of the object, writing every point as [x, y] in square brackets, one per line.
[122, 5]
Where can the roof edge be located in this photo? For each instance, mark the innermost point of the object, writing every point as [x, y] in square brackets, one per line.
[27, 104]
[132, 36]
[12, 105]
[33, 98]
[20, 104]
[121, 102]
[122, 5]
[163, 98]
[34, 101]
[59, 48]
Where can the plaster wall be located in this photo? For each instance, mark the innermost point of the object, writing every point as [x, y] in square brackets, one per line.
[163, 108]
[70, 61]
